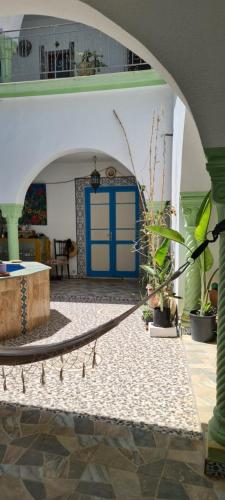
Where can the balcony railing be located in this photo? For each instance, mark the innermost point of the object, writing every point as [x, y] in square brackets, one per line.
[62, 51]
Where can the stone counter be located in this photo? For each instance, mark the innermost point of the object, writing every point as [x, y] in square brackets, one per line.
[24, 299]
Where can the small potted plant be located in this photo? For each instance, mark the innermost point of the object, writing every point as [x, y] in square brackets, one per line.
[90, 63]
[147, 315]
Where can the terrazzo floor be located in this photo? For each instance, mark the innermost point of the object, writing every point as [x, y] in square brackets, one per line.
[137, 380]
[131, 428]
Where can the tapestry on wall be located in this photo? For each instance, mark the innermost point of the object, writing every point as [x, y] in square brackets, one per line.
[35, 206]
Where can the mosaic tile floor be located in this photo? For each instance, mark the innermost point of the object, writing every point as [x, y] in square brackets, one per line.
[63, 457]
[97, 290]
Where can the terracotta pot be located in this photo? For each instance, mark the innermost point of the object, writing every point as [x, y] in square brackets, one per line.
[85, 69]
[213, 296]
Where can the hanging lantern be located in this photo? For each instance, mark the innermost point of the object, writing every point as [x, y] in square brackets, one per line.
[95, 177]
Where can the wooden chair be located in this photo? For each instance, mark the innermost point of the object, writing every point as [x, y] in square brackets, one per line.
[62, 254]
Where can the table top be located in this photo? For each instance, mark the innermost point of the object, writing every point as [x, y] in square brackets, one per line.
[28, 268]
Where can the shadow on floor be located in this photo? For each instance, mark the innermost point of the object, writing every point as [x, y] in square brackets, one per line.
[55, 323]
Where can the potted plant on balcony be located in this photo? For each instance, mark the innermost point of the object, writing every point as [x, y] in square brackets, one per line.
[90, 63]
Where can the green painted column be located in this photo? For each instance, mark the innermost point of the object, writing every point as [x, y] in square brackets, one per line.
[190, 204]
[216, 434]
[12, 212]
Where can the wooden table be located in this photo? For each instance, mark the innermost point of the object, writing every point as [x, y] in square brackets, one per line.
[24, 299]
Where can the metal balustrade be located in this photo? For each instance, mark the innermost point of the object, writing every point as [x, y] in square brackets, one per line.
[62, 51]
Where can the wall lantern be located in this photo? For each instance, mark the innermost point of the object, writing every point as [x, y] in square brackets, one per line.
[95, 177]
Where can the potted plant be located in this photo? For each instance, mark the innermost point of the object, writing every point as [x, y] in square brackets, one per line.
[90, 63]
[202, 320]
[163, 304]
[146, 315]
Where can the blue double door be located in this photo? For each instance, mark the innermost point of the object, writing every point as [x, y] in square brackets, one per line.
[112, 215]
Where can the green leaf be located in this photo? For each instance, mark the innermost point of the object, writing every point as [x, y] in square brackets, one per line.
[148, 269]
[208, 260]
[203, 217]
[162, 252]
[167, 233]
[166, 269]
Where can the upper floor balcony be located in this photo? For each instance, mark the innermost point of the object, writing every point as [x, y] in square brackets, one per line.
[63, 50]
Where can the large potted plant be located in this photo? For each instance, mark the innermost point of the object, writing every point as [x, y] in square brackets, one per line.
[203, 320]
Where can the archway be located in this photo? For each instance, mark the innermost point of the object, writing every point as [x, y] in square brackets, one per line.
[192, 73]
[104, 235]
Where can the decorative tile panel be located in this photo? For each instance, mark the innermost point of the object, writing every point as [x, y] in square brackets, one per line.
[23, 295]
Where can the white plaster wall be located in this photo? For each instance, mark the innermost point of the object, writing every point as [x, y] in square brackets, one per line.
[189, 175]
[171, 37]
[84, 37]
[38, 130]
[61, 210]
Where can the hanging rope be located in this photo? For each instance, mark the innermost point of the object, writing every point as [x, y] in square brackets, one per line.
[32, 354]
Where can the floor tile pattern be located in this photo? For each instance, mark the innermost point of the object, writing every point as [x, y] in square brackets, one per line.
[48, 455]
[97, 290]
[60, 455]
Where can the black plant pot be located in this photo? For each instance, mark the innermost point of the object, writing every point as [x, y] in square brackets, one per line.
[202, 327]
[161, 318]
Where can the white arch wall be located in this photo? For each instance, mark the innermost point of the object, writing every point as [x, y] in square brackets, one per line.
[183, 41]
[38, 130]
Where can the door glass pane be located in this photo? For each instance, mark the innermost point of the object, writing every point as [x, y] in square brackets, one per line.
[100, 234]
[125, 197]
[125, 234]
[125, 258]
[100, 257]
[125, 216]
[99, 198]
[99, 217]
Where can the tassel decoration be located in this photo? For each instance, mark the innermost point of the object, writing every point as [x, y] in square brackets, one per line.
[4, 379]
[94, 359]
[23, 381]
[43, 374]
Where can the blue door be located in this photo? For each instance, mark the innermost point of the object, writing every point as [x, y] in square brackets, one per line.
[112, 215]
